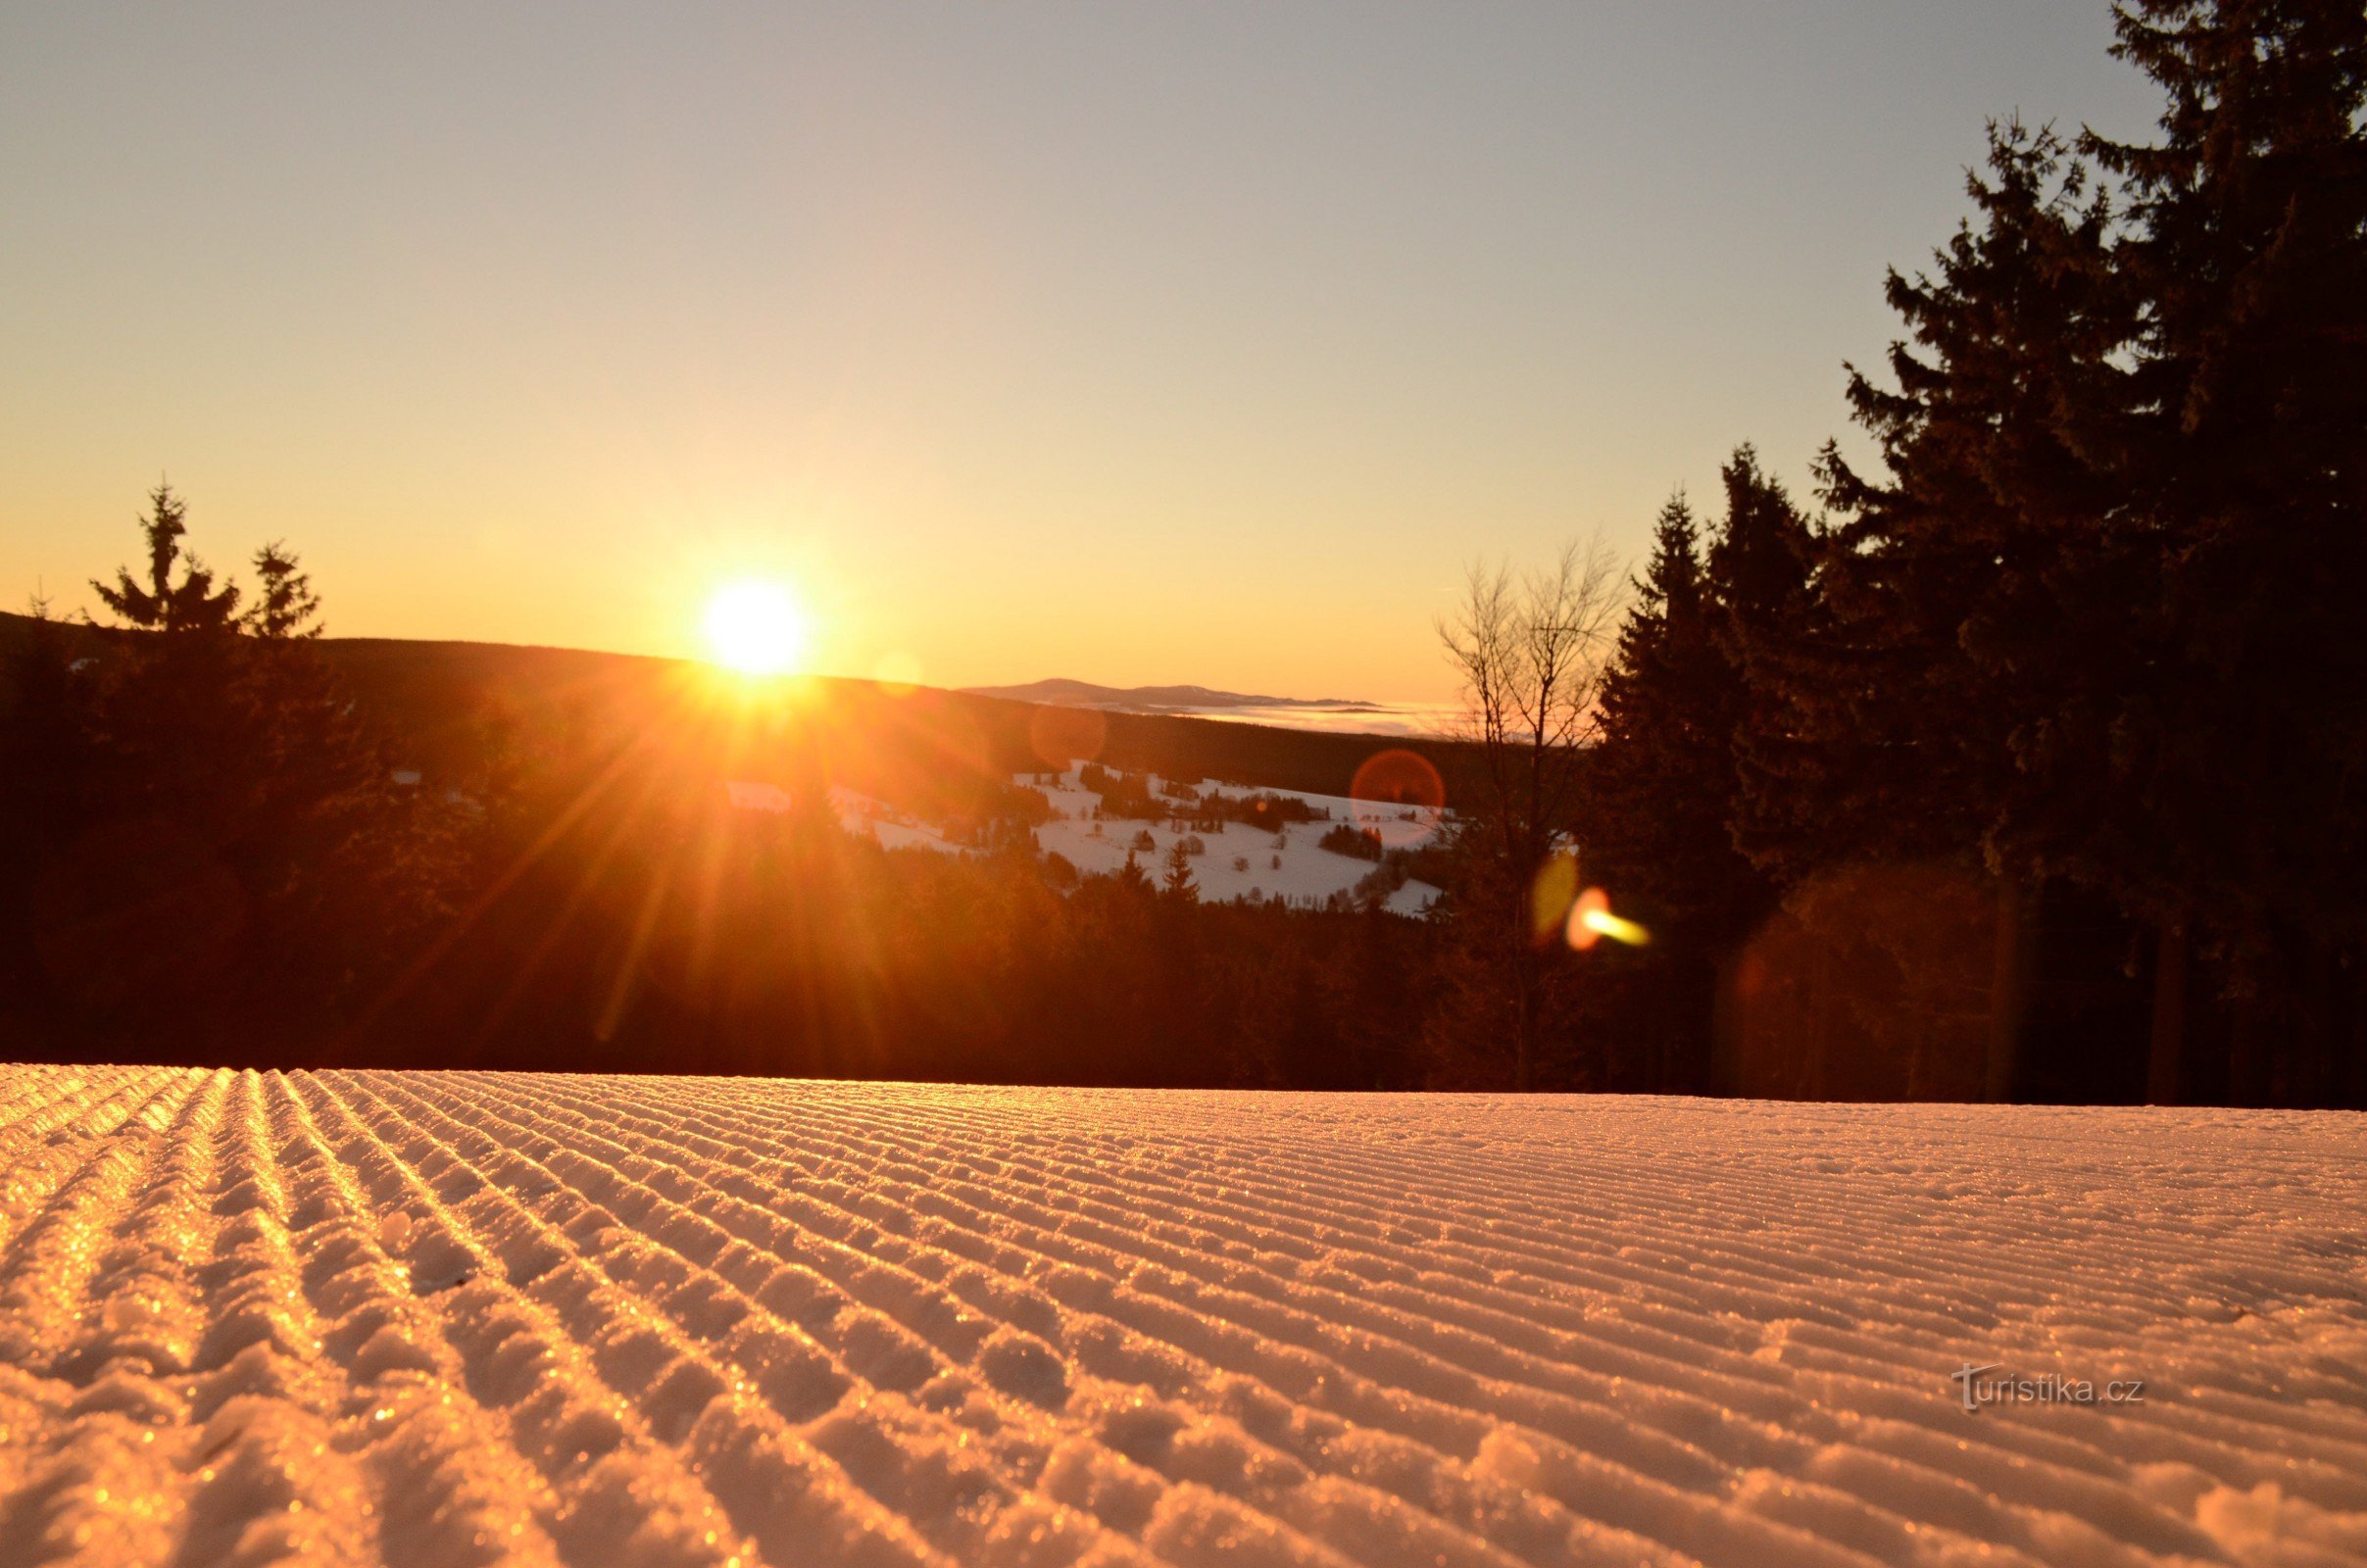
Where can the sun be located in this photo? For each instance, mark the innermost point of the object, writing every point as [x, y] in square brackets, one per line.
[757, 628]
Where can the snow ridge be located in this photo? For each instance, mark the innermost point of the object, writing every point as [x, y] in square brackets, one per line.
[359, 1317]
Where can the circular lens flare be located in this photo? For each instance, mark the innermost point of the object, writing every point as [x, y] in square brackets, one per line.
[756, 628]
[1398, 794]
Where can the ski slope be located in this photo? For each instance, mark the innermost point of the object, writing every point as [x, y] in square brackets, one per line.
[450, 1318]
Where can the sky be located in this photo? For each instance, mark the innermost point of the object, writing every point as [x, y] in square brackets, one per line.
[1137, 344]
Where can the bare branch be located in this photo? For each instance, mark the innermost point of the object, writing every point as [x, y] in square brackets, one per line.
[1531, 651]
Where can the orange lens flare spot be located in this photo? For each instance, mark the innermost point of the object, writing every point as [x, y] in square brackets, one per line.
[1397, 777]
[1399, 795]
[1592, 921]
[1551, 892]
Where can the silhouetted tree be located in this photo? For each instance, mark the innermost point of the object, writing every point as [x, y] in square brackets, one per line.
[179, 595]
[226, 848]
[1661, 795]
[285, 605]
[1961, 616]
[1178, 881]
[2245, 520]
[1530, 651]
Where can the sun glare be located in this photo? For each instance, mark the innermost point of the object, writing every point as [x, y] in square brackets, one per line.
[757, 628]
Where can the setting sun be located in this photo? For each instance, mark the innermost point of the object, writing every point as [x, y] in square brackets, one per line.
[757, 628]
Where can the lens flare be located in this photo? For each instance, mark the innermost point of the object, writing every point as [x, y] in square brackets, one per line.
[1398, 794]
[1552, 893]
[1592, 920]
[756, 628]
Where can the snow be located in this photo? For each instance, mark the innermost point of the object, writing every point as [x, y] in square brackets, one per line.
[364, 1317]
[1240, 859]
[757, 795]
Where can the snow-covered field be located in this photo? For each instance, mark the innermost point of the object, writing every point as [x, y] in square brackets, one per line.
[451, 1318]
[1241, 860]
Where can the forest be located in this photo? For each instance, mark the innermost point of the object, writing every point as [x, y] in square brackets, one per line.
[2031, 763]
[2022, 758]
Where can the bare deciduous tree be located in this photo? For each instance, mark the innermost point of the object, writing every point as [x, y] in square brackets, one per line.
[1531, 648]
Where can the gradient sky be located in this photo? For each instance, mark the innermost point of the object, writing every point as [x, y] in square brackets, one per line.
[1202, 343]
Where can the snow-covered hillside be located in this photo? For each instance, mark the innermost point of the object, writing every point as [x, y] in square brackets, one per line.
[427, 1319]
[1239, 860]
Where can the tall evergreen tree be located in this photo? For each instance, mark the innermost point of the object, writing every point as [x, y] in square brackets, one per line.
[1662, 795]
[2099, 617]
[1948, 627]
[1959, 619]
[238, 845]
[1765, 621]
[1693, 726]
[2246, 469]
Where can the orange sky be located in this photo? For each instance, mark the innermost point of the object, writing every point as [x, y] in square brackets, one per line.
[1136, 345]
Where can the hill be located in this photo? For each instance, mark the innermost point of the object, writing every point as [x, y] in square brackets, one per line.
[1139, 699]
[443, 703]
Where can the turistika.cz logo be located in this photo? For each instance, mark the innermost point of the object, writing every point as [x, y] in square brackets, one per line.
[1977, 1389]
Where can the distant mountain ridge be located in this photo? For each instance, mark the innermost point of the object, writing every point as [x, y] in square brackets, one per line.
[441, 704]
[1060, 692]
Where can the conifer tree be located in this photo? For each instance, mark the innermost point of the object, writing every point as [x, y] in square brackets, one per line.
[2247, 521]
[1944, 586]
[246, 851]
[179, 595]
[285, 605]
[1661, 793]
[1765, 624]
[1178, 882]
[1955, 625]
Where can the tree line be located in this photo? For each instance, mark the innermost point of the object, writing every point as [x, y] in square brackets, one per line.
[222, 851]
[2032, 762]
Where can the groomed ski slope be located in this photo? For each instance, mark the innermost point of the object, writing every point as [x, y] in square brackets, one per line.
[447, 1318]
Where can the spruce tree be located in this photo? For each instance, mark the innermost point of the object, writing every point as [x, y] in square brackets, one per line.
[1764, 623]
[1949, 634]
[179, 595]
[1694, 727]
[247, 863]
[1662, 795]
[1177, 882]
[285, 605]
[2246, 526]
[1956, 627]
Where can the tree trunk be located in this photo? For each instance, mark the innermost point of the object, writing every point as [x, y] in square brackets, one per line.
[1524, 1048]
[2169, 1014]
[1725, 1026]
[2353, 1092]
[2009, 985]
[2247, 1059]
